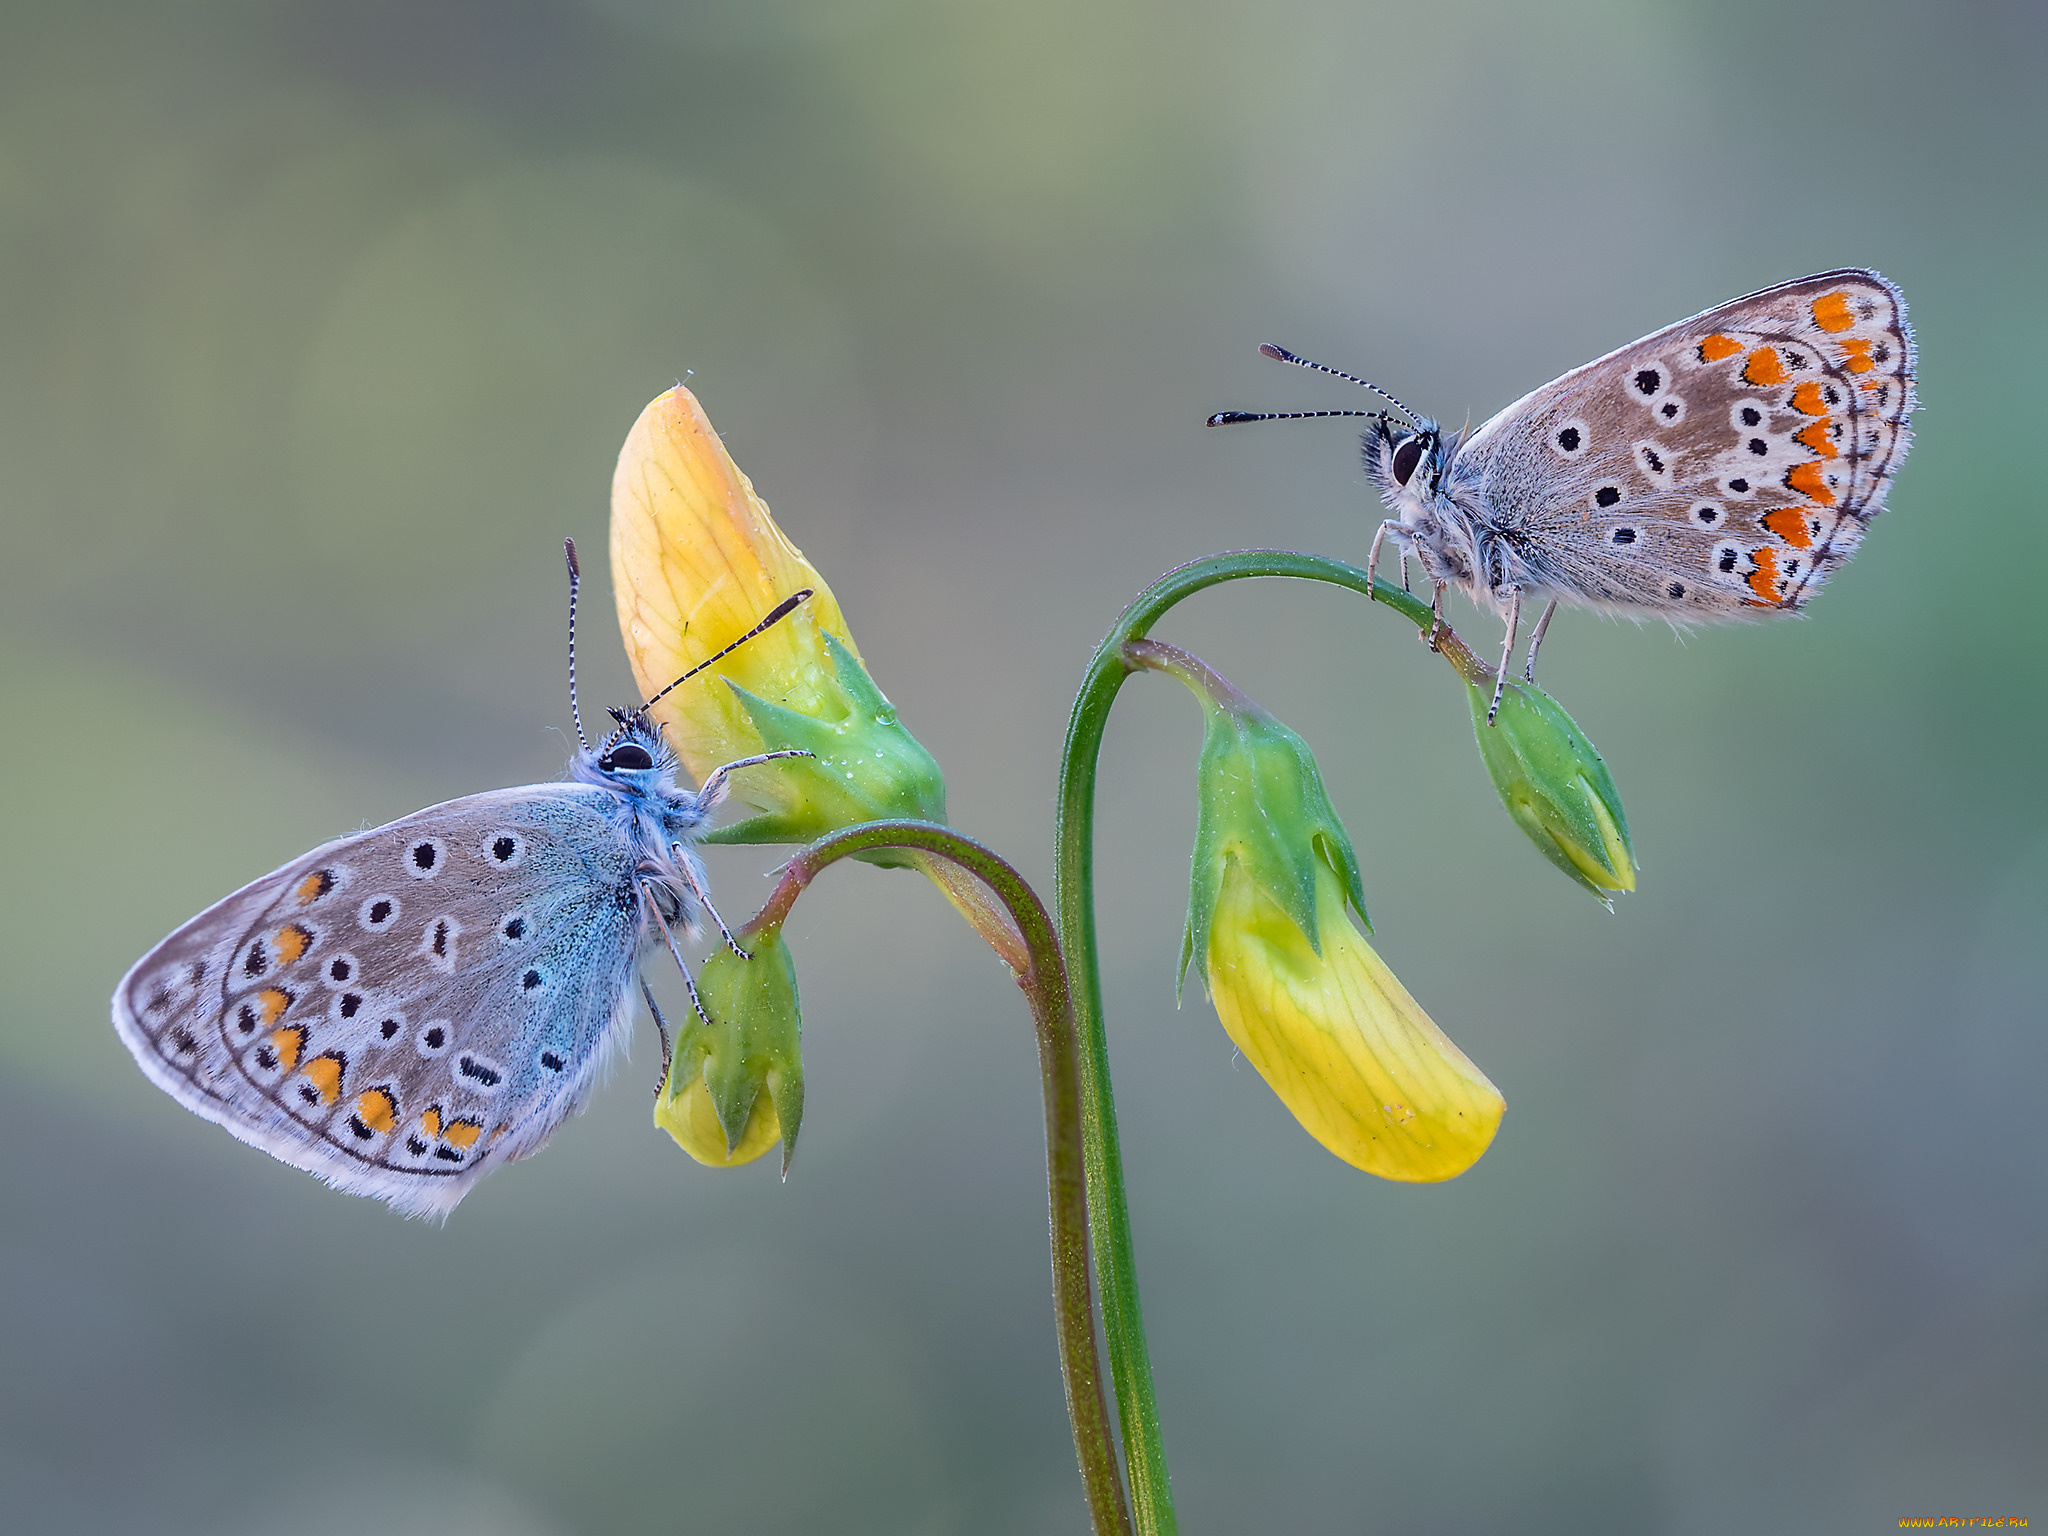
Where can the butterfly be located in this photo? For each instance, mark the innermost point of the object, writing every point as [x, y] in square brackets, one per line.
[401, 1011]
[1720, 468]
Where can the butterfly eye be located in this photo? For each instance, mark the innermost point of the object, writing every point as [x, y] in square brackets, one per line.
[1406, 456]
[627, 758]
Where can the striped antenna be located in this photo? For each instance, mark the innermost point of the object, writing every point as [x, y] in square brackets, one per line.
[1231, 418]
[1282, 355]
[575, 579]
[776, 615]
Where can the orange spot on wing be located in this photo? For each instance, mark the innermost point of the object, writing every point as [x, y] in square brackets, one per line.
[430, 1122]
[1789, 524]
[1806, 399]
[1819, 437]
[288, 1043]
[1831, 312]
[1714, 348]
[324, 1073]
[1858, 360]
[314, 886]
[1763, 581]
[274, 1000]
[1806, 479]
[1763, 368]
[292, 941]
[462, 1133]
[378, 1110]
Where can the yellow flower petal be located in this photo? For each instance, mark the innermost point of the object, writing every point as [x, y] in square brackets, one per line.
[696, 563]
[692, 1119]
[1339, 1039]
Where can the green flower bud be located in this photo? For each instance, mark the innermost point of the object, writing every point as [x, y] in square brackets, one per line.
[1555, 786]
[736, 1085]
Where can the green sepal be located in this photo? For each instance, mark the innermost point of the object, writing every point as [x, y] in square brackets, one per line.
[864, 766]
[1261, 804]
[1555, 786]
[786, 1088]
[686, 1059]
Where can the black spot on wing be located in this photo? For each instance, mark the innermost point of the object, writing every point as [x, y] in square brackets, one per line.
[481, 1072]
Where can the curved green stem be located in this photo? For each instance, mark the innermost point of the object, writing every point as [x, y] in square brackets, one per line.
[1123, 1324]
[1042, 977]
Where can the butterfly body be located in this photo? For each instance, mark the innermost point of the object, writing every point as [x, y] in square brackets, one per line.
[402, 1010]
[1719, 468]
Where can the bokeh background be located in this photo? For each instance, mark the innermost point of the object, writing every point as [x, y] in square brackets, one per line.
[321, 323]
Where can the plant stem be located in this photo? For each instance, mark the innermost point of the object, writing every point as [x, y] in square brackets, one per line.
[1202, 680]
[1123, 1324]
[1043, 979]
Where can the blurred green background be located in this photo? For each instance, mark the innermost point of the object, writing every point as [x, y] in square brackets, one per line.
[321, 323]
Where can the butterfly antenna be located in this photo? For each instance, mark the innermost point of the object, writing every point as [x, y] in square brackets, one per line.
[776, 615]
[1231, 418]
[1282, 355]
[575, 580]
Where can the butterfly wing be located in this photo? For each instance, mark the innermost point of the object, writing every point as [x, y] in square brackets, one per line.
[1722, 466]
[402, 1010]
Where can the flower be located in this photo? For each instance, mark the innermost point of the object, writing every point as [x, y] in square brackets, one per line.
[735, 1085]
[1296, 985]
[696, 562]
[1335, 1034]
[1555, 786]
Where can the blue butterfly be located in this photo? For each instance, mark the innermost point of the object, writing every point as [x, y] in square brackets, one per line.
[402, 1010]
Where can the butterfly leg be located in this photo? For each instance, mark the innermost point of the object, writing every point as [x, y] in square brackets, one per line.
[676, 955]
[1397, 528]
[713, 790]
[704, 897]
[1436, 618]
[1536, 640]
[668, 1053]
[1507, 649]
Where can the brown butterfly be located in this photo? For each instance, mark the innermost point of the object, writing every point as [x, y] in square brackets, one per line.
[1719, 468]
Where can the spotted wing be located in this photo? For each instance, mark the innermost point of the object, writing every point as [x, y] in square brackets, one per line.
[402, 1010]
[1724, 465]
